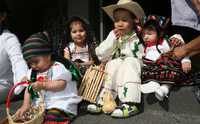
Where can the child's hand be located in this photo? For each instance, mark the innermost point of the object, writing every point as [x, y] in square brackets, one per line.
[21, 111]
[186, 66]
[24, 79]
[67, 54]
[118, 33]
[38, 85]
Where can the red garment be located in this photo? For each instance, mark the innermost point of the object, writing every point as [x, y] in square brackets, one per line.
[150, 43]
[154, 43]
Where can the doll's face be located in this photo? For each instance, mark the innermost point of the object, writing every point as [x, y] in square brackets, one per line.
[40, 63]
[149, 35]
[123, 21]
[78, 33]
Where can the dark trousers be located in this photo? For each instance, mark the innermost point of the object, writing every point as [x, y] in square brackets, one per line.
[189, 34]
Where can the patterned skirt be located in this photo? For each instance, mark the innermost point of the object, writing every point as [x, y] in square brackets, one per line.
[56, 116]
[164, 70]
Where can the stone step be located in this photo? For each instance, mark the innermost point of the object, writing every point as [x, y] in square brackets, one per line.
[180, 100]
[147, 117]
[180, 108]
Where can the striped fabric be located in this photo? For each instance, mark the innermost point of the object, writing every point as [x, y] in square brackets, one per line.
[164, 70]
[37, 44]
[56, 116]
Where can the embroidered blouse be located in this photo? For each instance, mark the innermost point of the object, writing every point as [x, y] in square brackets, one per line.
[127, 46]
[82, 54]
[66, 99]
[152, 53]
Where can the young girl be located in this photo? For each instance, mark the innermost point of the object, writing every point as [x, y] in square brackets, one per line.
[157, 66]
[60, 93]
[123, 51]
[80, 46]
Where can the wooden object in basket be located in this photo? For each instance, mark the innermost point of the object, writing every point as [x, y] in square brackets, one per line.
[91, 83]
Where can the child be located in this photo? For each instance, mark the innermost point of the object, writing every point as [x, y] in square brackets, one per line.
[123, 51]
[81, 47]
[157, 68]
[60, 93]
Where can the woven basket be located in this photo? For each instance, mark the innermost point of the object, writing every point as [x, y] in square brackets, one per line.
[37, 119]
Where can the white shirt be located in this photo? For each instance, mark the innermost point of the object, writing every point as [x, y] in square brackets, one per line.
[153, 54]
[12, 65]
[66, 99]
[105, 50]
[183, 14]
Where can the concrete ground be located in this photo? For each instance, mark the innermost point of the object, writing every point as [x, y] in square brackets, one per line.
[180, 108]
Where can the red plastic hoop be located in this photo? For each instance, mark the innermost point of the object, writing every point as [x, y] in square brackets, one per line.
[11, 92]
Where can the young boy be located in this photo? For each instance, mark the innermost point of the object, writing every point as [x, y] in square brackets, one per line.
[123, 51]
[53, 79]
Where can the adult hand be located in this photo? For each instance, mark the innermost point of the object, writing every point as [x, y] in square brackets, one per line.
[179, 52]
[196, 4]
[24, 79]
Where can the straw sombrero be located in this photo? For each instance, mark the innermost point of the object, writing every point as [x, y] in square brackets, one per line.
[129, 5]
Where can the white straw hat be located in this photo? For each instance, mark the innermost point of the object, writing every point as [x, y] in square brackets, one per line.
[129, 5]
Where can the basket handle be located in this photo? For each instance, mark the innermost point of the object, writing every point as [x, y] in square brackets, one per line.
[11, 92]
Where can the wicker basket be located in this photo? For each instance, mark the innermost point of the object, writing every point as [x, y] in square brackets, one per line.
[37, 119]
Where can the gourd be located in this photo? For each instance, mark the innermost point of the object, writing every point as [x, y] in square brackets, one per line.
[109, 103]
